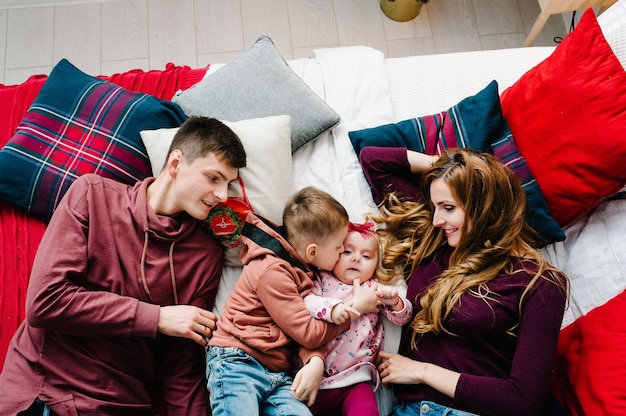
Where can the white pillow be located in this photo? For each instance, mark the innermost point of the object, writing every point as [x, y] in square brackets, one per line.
[614, 30]
[268, 175]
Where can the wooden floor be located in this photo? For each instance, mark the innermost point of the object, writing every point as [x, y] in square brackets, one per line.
[104, 37]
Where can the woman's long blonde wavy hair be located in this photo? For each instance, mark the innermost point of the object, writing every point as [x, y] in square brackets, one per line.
[494, 235]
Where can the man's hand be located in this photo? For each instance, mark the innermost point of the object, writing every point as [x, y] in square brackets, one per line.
[306, 383]
[187, 321]
[365, 299]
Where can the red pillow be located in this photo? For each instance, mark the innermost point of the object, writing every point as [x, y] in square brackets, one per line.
[568, 118]
[591, 366]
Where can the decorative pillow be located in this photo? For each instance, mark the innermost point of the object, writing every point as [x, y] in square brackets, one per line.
[226, 220]
[268, 175]
[78, 124]
[259, 83]
[568, 117]
[474, 122]
[591, 361]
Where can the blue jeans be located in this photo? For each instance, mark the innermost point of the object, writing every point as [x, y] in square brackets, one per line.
[37, 409]
[426, 408]
[240, 385]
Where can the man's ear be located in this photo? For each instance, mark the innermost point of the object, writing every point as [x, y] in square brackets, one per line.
[310, 252]
[174, 160]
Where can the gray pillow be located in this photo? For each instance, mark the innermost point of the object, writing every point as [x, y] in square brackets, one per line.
[259, 83]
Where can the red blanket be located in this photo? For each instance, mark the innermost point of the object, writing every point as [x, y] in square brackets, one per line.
[20, 233]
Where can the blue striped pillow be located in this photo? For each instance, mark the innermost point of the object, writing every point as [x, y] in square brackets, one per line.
[79, 124]
[475, 122]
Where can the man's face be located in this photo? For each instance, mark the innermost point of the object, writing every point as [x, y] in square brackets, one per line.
[202, 184]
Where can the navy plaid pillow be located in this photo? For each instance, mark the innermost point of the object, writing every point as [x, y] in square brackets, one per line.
[79, 124]
[475, 122]
[537, 212]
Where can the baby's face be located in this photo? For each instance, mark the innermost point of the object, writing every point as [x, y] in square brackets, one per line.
[358, 260]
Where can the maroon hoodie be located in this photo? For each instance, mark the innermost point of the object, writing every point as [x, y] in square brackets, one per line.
[89, 343]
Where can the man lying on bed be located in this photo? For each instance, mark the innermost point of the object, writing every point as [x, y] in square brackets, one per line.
[121, 288]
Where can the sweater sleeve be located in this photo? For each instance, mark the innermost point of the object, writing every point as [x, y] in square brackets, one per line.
[319, 306]
[524, 391]
[285, 304]
[387, 170]
[401, 317]
[59, 296]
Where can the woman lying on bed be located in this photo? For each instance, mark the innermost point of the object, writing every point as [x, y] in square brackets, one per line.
[487, 307]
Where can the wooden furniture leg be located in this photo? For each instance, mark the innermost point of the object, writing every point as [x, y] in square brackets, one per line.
[536, 29]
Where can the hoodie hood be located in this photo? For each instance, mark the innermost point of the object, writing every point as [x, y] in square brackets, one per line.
[158, 227]
[262, 237]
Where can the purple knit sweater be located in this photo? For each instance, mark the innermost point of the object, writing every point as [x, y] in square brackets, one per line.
[500, 374]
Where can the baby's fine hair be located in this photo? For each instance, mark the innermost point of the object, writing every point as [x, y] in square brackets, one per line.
[312, 214]
[368, 230]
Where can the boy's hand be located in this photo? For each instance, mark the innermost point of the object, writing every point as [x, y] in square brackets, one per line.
[342, 313]
[365, 299]
[306, 383]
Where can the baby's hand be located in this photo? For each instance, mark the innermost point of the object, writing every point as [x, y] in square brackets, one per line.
[387, 294]
[342, 313]
[365, 299]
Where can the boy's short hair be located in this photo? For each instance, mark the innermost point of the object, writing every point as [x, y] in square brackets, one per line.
[312, 214]
[199, 136]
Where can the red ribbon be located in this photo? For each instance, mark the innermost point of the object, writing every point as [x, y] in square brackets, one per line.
[366, 229]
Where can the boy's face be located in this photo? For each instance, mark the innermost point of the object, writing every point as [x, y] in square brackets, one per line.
[358, 259]
[328, 250]
[202, 184]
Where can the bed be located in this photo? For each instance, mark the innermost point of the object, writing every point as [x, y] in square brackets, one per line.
[302, 122]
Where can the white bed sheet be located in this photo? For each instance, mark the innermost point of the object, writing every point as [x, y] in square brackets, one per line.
[594, 253]
[368, 90]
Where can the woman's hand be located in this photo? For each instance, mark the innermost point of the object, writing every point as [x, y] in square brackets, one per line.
[398, 369]
[187, 321]
[419, 162]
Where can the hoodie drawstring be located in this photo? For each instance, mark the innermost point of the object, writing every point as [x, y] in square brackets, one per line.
[143, 268]
[172, 275]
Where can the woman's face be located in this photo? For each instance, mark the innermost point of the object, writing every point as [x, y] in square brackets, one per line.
[448, 215]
